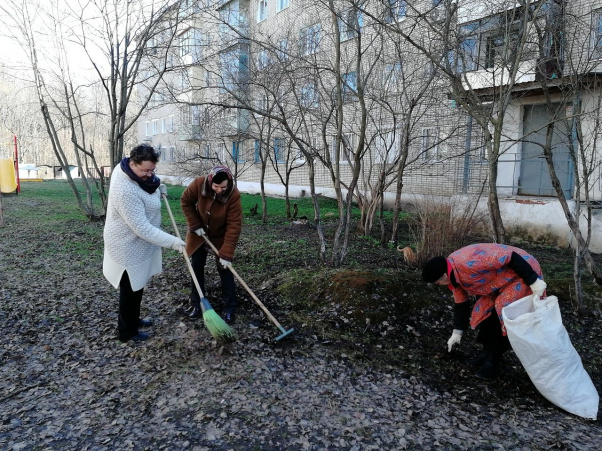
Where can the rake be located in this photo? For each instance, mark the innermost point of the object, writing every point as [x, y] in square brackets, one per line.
[259, 303]
[216, 326]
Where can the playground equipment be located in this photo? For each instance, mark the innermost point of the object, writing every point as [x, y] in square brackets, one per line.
[9, 173]
[8, 177]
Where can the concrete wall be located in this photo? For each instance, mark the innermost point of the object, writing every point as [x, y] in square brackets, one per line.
[534, 219]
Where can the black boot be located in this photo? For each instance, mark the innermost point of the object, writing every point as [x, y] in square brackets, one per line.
[196, 311]
[489, 368]
[480, 359]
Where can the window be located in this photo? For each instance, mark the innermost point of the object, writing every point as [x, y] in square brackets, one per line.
[263, 59]
[597, 34]
[281, 4]
[157, 99]
[279, 150]
[309, 39]
[257, 151]
[429, 148]
[147, 128]
[494, 50]
[261, 102]
[190, 115]
[231, 20]
[184, 80]
[221, 151]
[349, 86]
[191, 42]
[493, 42]
[393, 77]
[350, 23]
[468, 51]
[346, 149]
[163, 127]
[386, 147]
[155, 127]
[262, 10]
[283, 49]
[308, 97]
[229, 71]
[237, 151]
[169, 124]
[395, 10]
[151, 44]
[183, 150]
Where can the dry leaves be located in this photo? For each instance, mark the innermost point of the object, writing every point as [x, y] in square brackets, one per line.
[66, 383]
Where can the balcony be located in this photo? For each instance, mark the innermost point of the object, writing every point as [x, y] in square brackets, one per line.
[234, 123]
[190, 132]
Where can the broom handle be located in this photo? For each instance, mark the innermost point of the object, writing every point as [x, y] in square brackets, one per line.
[175, 227]
[242, 282]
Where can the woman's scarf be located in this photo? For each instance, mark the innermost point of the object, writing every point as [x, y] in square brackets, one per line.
[150, 185]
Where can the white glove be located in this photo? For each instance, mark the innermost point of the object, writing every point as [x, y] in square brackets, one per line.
[163, 189]
[225, 263]
[538, 287]
[455, 339]
[200, 231]
[178, 245]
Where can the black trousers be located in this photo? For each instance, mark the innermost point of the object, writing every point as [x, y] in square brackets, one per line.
[129, 309]
[198, 260]
[491, 337]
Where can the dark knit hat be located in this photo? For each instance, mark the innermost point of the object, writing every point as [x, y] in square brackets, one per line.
[434, 269]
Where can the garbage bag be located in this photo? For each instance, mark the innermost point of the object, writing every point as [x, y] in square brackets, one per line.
[541, 342]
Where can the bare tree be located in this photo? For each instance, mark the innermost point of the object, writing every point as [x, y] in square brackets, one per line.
[572, 132]
[480, 81]
[115, 36]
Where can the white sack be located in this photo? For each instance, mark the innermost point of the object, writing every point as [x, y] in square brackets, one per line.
[542, 344]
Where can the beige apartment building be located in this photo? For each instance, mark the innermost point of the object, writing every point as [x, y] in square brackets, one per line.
[428, 97]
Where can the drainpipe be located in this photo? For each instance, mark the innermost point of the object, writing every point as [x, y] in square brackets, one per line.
[467, 154]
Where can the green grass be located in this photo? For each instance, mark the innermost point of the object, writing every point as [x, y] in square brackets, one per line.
[276, 207]
[65, 206]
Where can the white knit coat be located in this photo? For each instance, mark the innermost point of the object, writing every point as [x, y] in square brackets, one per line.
[132, 237]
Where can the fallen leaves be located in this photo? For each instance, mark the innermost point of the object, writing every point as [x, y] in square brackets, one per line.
[66, 383]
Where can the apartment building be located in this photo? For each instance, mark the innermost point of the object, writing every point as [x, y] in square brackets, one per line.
[438, 91]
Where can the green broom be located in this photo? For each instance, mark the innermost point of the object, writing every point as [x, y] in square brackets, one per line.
[216, 326]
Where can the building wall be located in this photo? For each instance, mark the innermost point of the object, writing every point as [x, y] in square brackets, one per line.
[457, 165]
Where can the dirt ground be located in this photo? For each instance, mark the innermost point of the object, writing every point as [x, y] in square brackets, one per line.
[365, 368]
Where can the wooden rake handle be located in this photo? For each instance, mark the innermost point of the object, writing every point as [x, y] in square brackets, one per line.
[175, 227]
[243, 283]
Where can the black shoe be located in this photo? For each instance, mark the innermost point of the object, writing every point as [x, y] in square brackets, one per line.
[488, 371]
[195, 313]
[480, 359]
[140, 336]
[145, 323]
[229, 318]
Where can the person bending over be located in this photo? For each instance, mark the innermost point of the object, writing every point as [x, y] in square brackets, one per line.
[497, 275]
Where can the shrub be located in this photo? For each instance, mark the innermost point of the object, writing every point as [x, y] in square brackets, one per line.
[439, 226]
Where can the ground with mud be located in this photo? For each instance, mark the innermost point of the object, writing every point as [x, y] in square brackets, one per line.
[365, 368]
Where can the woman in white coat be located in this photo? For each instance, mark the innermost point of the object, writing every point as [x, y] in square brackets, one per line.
[132, 235]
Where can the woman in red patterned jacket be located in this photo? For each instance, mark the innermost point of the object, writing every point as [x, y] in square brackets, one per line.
[498, 275]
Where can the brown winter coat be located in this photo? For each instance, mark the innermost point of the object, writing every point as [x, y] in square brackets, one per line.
[220, 216]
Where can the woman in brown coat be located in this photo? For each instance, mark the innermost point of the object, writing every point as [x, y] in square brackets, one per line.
[212, 206]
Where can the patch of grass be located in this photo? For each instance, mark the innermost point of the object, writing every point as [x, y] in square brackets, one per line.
[276, 208]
